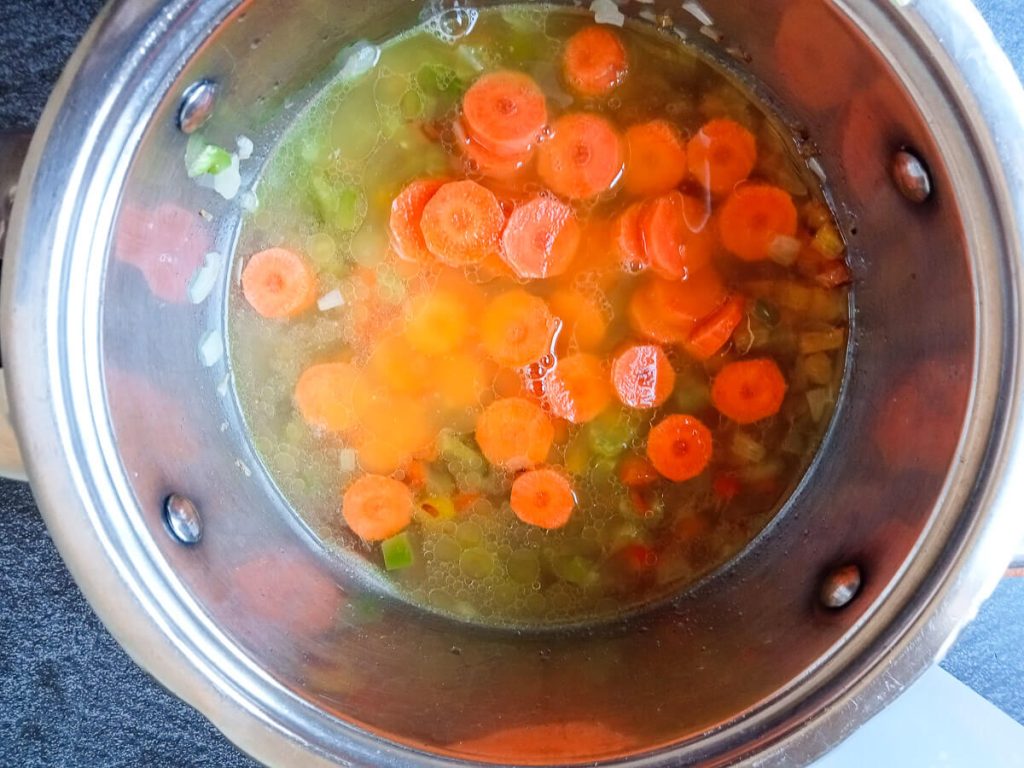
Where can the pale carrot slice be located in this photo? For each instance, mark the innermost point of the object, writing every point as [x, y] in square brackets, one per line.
[715, 330]
[721, 155]
[278, 283]
[582, 158]
[392, 428]
[543, 497]
[438, 322]
[753, 217]
[629, 239]
[462, 380]
[577, 389]
[377, 507]
[462, 223]
[636, 471]
[584, 322]
[541, 238]
[677, 235]
[643, 376]
[655, 158]
[486, 162]
[397, 366]
[406, 212]
[326, 395]
[516, 328]
[679, 447]
[595, 61]
[667, 311]
[514, 434]
[749, 390]
[504, 112]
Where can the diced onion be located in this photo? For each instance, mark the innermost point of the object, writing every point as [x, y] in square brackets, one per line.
[245, 147]
[211, 348]
[784, 250]
[347, 460]
[330, 300]
[359, 59]
[229, 181]
[607, 12]
[201, 284]
[696, 10]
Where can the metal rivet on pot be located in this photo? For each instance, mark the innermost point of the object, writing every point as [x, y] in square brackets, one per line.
[910, 176]
[197, 105]
[183, 519]
[840, 586]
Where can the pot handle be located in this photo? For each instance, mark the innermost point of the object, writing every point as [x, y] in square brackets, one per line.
[13, 148]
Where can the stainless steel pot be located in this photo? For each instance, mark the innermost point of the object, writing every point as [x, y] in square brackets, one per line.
[258, 627]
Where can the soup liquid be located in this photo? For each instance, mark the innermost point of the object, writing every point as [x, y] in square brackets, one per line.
[327, 193]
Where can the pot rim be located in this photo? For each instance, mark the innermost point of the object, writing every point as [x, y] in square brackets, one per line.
[86, 504]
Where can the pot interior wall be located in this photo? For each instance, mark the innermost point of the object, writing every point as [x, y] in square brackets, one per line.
[726, 648]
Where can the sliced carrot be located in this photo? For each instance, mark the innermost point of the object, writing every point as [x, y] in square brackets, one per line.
[679, 447]
[391, 430]
[725, 486]
[516, 328]
[582, 158]
[636, 471]
[416, 474]
[327, 394]
[505, 112]
[584, 322]
[577, 389]
[278, 283]
[655, 158]
[543, 497]
[643, 376]
[752, 217]
[406, 213]
[667, 311]
[514, 434]
[721, 155]
[714, 331]
[486, 162]
[749, 390]
[463, 379]
[462, 223]
[629, 240]
[541, 238]
[377, 507]
[397, 366]
[594, 61]
[677, 235]
[438, 323]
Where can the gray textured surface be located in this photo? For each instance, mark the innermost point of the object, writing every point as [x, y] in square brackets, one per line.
[70, 697]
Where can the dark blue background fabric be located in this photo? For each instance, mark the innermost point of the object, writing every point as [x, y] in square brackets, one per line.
[70, 697]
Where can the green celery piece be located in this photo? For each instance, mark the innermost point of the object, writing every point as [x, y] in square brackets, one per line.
[692, 393]
[340, 207]
[455, 451]
[397, 552]
[575, 569]
[211, 159]
[611, 433]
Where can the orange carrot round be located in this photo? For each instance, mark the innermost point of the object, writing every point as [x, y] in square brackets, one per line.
[714, 331]
[749, 390]
[629, 240]
[752, 217]
[677, 235]
[643, 376]
[391, 429]
[541, 238]
[582, 158]
[679, 447]
[483, 160]
[721, 155]
[326, 396]
[543, 497]
[278, 283]
[667, 311]
[516, 328]
[397, 366]
[377, 507]
[583, 320]
[406, 213]
[514, 434]
[462, 223]
[655, 158]
[462, 380]
[504, 112]
[636, 471]
[594, 61]
[577, 389]
[438, 322]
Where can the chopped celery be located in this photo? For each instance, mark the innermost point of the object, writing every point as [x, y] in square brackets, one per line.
[765, 312]
[818, 401]
[577, 454]
[210, 159]
[818, 368]
[411, 105]
[342, 207]
[747, 449]
[758, 473]
[457, 453]
[623, 532]
[784, 250]
[692, 393]
[439, 482]
[816, 214]
[827, 242]
[822, 341]
[575, 569]
[397, 552]
[523, 566]
[436, 79]
[435, 509]
[794, 442]
[611, 433]
[447, 549]
[476, 562]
